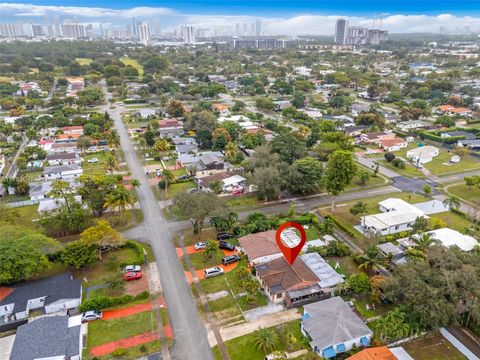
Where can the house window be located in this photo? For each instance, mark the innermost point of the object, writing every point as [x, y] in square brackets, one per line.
[397, 227]
[279, 296]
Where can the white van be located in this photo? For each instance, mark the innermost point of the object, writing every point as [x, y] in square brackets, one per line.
[214, 271]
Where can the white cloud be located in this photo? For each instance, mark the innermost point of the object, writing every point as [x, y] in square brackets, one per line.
[28, 10]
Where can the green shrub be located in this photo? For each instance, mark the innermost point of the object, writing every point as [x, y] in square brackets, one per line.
[103, 302]
[119, 352]
[140, 255]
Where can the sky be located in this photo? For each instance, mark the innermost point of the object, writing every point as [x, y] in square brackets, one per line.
[278, 16]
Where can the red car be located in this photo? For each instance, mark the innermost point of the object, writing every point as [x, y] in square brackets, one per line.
[129, 276]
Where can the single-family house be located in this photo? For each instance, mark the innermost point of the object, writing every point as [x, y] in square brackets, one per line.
[147, 113]
[472, 144]
[357, 108]
[170, 128]
[452, 110]
[381, 353]
[394, 252]
[52, 337]
[375, 137]
[39, 191]
[282, 104]
[448, 237]
[397, 215]
[68, 147]
[205, 163]
[333, 328]
[63, 159]
[422, 155]
[260, 247]
[204, 182]
[63, 172]
[72, 130]
[354, 131]
[312, 112]
[392, 145]
[465, 134]
[51, 204]
[411, 125]
[222, 109]
[51, 295]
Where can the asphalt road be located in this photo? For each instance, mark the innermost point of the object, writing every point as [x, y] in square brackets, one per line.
[190, 334]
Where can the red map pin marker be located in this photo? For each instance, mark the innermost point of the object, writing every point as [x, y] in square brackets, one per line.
[290, 253]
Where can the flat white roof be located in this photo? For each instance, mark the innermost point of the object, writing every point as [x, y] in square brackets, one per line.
[322, 269]
[424, 152]
[232, 180]
[449, 237]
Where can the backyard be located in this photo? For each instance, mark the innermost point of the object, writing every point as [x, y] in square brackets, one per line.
[432, 347]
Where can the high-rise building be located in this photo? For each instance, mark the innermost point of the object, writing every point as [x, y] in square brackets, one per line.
[188, 34]
[258, 27]
[11, 30]
[260, 44]
[237, 29]
[134, 27]
[36, 30]
[156, 27]
[72, 30]
[340, 31]
[144, 34]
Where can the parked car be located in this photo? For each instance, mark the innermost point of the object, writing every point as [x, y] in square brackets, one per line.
[224, 236]
[192, 190]
[158, 172]
[132, 268]
[92, 315]
[184, 177]
[200, 245]
[132, 275]
[92, 160]
[214, 271]
[230, 259]
[225, 245]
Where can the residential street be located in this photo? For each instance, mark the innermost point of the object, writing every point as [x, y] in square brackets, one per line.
[191, 340]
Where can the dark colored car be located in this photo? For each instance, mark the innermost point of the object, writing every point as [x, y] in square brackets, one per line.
[225, 245]
[184, 177]
[224, 236]
[230, 259]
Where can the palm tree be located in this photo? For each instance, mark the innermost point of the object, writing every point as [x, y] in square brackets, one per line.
[371, 260]
[113, 139]
[168, 178]
[174, 157]
[120, 199]
[135, 183]
[112, 163]
[161, 145]
[231, 151]
[265, 339]
[453, 202]
[423, 242]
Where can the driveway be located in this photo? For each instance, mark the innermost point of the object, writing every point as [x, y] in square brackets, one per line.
[6, 346]
[413, 185]
[190, 335]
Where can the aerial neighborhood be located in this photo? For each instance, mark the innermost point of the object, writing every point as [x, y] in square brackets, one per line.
[145, 176]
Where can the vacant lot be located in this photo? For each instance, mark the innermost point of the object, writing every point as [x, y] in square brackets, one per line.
[433, 347]
[465, 192]
[134, 63]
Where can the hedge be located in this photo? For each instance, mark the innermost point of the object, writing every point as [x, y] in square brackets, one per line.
[103, 302]
[140, 260]
[400, 134]
[344, 228]
[439, 139]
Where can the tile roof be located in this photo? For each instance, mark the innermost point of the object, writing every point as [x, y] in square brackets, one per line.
[376, 353]
[259, 244]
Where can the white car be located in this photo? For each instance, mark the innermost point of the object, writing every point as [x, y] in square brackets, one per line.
[159, 172]
[214, 271]
[91, 315]
[92, 161]
[132, 268]
[200, 245]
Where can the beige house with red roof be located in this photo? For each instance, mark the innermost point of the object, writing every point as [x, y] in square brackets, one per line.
[260, 247]
[392, 145]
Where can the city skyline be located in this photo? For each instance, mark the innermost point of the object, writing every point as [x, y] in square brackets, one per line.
[291, 23]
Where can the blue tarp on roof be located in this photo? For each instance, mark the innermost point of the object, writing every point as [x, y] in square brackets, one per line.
[329, 353]
[341, 347]
[306, 316]
[364, 341]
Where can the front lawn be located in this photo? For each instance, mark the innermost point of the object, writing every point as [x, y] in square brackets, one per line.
[464, 192]
[200, 262]
[178, 188]
[104, 331]
[409, 170]
[432, 347]
[243, 202]
[244, 348]
[98, 168]
[440, 165]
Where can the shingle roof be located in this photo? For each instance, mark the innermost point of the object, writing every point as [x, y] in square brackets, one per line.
[53, 288]
[259, 244]
[332, 322]
[46, 337]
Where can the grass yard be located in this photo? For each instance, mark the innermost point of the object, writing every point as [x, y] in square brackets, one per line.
[441, 164]
[178, 188]
[84, 61]
[98, 168]
[200, 262]
[432, 347]
[342, 213]
[227, 307]
[454, 221]
[409, 170]
[347, 265]
[134, 63]
[190, 238]
[104, 331]
[138, 351]
[464, 192]
[243, 347]
[26, 216]
[243, 202]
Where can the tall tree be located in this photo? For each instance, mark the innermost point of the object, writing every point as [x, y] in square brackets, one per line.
[103, 236]
[305, 175]
[339, 173]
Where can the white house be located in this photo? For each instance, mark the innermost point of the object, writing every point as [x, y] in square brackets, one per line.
[333, 328]
[63, 159]
[396, 216]
[48, 204]
[63, 172]
[448, 237]
[52, 338]
[392, 145]
[54, 294]
[422, 155]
